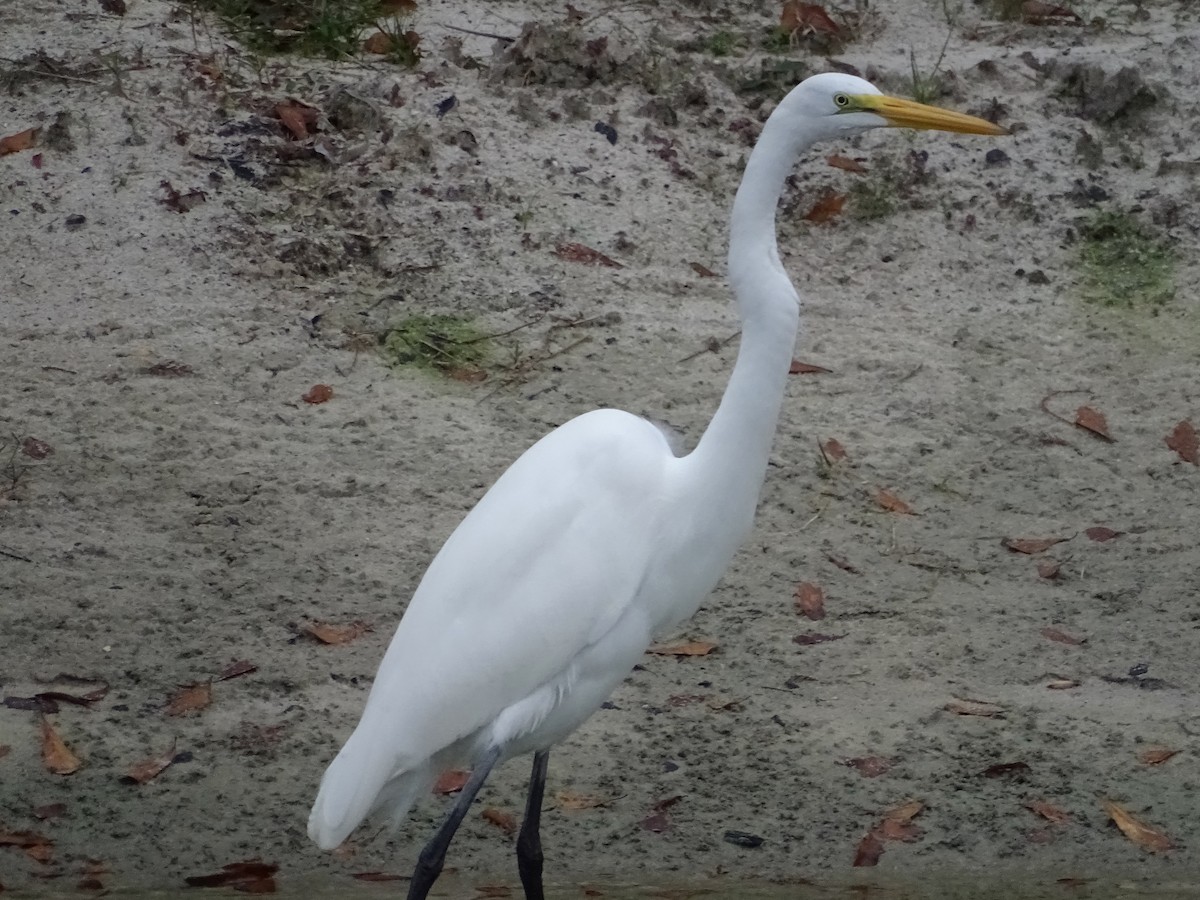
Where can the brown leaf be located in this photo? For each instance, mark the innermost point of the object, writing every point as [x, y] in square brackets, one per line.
[1092, 421]
[802, 368]
[962, 707]
[573, 252]
[833, 451]
[1136, 830]
[298, 118]
[506, 822]
[683, 648]
[892, 503]
[1057, 634]
[179, 202]
[905, 812]
[1048, 569]
[168, 369]
[840, 561]
[318, 393]
[451, 781]
[236, 670]
[656, 822]
[379, 43]
[1154, 756]
[828, 207]
[702, 270]
[573, 800]
[869, 766]
[147, 769]
[810, 601]
[191, 698]
[253, 877]
[22, 140]
[812, 637]
[807, 18]
[1030, 545]
[1184, 441]
[1035, 12]
[894, 830]
[845, 163]
[1061, 684]
[328, 633]
[868, 851]
[999, 770]
[1100, 533]
[35, 449]
[56, 757]
[1048, 811]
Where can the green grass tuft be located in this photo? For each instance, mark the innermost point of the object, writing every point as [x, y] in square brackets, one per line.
[329, 28]
[450, 345]
[1124, 265]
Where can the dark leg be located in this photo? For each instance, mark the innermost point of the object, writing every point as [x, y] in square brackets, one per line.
[529, 842]
[433, 857]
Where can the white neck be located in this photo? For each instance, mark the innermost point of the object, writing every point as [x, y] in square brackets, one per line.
[731, 459]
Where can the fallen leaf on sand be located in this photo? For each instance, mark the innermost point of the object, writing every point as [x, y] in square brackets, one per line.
[56, 756]
[328, 633]
[869, 766]
[35, 449]
[1061, 684]
[1136, 830]
[191, 698]
[236, 670]
[845, 163]
[451, 781]
[506, 822]
[253, 877]
[1061, 637]
[810, 601]
[1093, 421]
[1184, 441]
[573, 800]
[1048, 811]
[683, 648]
[579, 253]
[49, 811]
[868, 851]
[1037, 12]
[802, 368]
[833, 450]
[148, 769]
[892, 503]
[297, 118]
[962, 707]
[806, 18]
[813, 637]
[1048, 569]
[318, 393]
[1031, 545]
[828, 207]
[1154, 756]
[1101, 534]
[22, 140]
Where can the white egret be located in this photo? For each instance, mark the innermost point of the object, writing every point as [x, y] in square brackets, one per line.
[597, 538]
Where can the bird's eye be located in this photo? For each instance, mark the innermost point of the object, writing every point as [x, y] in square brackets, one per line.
[841, 100]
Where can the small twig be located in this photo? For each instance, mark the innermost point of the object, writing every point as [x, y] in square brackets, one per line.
[712, 345]
[4, 552]
[486, 34]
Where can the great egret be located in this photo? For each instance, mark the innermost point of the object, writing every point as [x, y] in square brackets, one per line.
[594, 540]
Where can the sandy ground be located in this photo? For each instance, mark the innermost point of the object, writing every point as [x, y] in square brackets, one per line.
[188, 510]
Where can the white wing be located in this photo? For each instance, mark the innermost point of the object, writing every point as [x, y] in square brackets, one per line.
[543, 566]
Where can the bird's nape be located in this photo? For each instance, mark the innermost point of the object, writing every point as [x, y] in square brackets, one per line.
[597, 538]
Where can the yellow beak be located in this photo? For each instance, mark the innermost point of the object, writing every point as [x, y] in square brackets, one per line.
[910, 114]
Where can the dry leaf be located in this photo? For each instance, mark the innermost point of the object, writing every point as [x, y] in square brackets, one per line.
[1048, 811]
[892, 503]
[1092, 421]
[379, 43]
[1136, 830]
[1061, 684]
[252, 877]
[191, 698]
[49, 811]
[998, 770]
[1030, 545]
[840, 561]
[168, 369]
[962, 707]
[318, 393]
[802, 368]
[702, 271]
[896, 830]
[1183, 441]
[1048, 569]
[684, 648]
[828, 206]
[506, 822]
[573, 252]
[572, 800]
[845, 163]
[327, 633]
[451, 781]
[35, 449]
[56, 756]
[812, 637]
[1100, 534]
[869, 766]
[1056, 634]
[905, 811]
[1035, 12]
[868, 851]
[833, 450]
[147, 769]
[807, 18]
[810, 601]
[1154, 756]
[22, 140]
[181, 203]
[297, 118]
[237, 669]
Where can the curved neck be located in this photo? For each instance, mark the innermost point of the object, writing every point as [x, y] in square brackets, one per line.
[731, 457]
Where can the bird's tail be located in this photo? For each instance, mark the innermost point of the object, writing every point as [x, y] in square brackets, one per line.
[362, 780]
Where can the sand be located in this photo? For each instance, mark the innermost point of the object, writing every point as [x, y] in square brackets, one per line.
[186, 508]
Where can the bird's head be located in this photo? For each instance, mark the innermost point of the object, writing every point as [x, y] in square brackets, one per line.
[833, 105]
